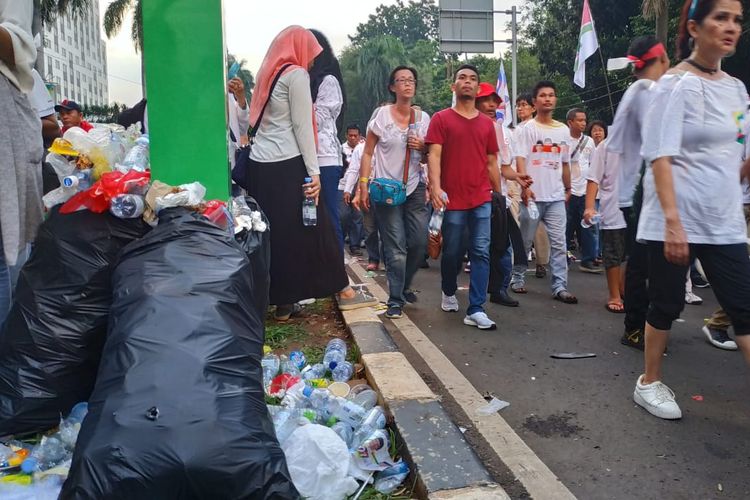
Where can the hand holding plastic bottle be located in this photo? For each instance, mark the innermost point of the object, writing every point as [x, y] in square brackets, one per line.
[312, 189]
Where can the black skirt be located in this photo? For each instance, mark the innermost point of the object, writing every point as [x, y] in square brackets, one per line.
[306, 262]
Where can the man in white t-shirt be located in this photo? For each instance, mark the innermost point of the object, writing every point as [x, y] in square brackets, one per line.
[351, 218]
[543, 153]
[581, 147]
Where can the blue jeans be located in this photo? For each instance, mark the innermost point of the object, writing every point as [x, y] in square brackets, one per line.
[507, 265]
[329, 187]
[403, 230]
[587, 237]
[478, 222]
[552, 214]
[351, 222]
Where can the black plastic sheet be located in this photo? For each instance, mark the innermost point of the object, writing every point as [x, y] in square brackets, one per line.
[178, 410]
[51, 342]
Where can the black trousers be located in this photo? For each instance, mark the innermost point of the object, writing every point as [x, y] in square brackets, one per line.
[504, 232]
[636, 274]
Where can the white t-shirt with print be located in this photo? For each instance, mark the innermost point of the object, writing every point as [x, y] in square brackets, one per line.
[546, 172]
[390, 152]
[605, 172]
[579, 163]
[700, 126]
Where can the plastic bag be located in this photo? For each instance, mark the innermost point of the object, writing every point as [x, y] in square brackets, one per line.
[191, 195]
[97, 198]
[178, 410]
[318, 461]
[51, 341]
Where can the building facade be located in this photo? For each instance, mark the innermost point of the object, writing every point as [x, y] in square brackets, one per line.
[74, 57]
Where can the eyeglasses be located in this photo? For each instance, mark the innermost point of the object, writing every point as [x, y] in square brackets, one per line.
[405, 81]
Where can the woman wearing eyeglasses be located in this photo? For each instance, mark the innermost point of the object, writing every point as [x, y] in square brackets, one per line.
[395, 139]
[696, 146]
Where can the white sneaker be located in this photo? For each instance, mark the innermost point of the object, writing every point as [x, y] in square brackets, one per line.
[480, 320]
[692, 299]
[449, 303]
[657, 399]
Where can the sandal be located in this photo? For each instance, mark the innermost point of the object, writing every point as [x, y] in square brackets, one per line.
[360, 299]
[373, 267]
[284, 312]
[518, 289]
[615, 307]
[566, 297]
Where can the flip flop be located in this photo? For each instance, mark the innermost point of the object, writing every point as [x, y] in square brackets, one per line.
[615, 307]
[518, 289]
[566, 297]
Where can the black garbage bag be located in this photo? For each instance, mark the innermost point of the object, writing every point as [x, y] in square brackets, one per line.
[178, 410]
[257, 246]
[52, 338]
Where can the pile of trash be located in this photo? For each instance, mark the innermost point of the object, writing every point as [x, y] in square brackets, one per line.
[329, 425]
[38, 470]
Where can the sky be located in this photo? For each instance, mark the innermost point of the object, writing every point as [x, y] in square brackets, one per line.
[250, 26]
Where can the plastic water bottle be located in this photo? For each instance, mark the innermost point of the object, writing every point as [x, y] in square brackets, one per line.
[345, 411]
[270, 365]
[374, 420]
[47, 454]
[596, 219]
[387, 480]
[288, 366]
[285, 421]
[294, 397]
[69, 427]
[335, 353]
[127, 206]
[79, 180]
[533, 210]
[312, 372]
[344, 431]
[137, 157]
[366, 397]
[309, 210]
[343, 371]
[298, 358]
[436, 221]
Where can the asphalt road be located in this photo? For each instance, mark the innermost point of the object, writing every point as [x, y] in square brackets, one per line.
[578, 415]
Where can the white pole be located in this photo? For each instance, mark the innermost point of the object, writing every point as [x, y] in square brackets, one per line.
[515, 63]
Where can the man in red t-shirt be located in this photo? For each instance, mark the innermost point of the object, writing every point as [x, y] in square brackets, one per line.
[72, 116]
[463, 173]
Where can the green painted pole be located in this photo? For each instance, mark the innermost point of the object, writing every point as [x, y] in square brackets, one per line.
[185, 76]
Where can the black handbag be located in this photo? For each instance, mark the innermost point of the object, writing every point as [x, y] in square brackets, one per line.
[242, 155]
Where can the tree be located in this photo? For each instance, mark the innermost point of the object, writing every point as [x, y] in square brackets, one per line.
[48, 9]
[103, 114]
[115, 15]
[418, 20]
[659, 11]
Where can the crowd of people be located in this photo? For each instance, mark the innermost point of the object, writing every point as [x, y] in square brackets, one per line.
[649, 200]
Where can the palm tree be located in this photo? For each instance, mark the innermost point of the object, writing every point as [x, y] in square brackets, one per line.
[658, 10]
[243, 74]
[377, 57]
[115, 15]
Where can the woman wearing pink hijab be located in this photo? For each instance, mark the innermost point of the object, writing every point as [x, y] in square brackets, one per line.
[306, 261]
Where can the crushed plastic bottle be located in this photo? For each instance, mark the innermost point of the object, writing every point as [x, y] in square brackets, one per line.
[285, 421]
[344, 431]
[596, 219]
[436, 221]
[374, 420]
[57, 196]
[138, 156]
[387, 480]
[80, 180]
[342, 372]
[533, 210]
[270, 365]
[288, 366]
[335, 353]
[69, 427]
[313, 372]
[294, 397]
[298, 358]
[127, 206]
[48, 453]
[309, 209]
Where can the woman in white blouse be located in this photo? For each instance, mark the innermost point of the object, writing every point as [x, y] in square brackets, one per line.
[306, 261]
[329, 101]
[393, 130]
[696, 145]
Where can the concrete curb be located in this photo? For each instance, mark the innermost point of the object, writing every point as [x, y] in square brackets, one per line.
[443, 463]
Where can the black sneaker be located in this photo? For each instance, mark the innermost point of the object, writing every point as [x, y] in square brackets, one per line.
[410, 296]
[589, 267]
[634, 339]
[698, 281]
[503, 299]
[355, 252]
[719, 338]
[393, 312]
[541, 271]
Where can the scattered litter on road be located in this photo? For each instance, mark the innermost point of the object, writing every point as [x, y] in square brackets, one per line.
[463, 430]
[494, 406]
[680, 320]
[533, 378]
[572, 355]
[697, 397]
[719, 487]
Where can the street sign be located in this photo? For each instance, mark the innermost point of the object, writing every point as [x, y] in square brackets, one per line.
[467, 26]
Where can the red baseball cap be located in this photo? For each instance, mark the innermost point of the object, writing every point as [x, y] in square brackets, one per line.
[486, 89]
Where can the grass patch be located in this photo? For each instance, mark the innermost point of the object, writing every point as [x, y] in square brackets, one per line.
[278, 336]
[352, 353]
[319, 307]
[313, 354]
